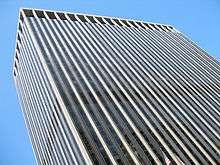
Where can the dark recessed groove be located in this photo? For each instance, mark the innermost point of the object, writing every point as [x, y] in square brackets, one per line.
[81, 17]
[72, 17]
[139, 23]
[51, 15]
[133, 24]
[62, 16]
[126, 23]
[117, 21]
[109, 21]
[28, 13]
[100, 20]
[91, 19]
[40, 13]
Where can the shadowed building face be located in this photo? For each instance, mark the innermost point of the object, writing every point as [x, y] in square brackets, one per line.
[100, 90]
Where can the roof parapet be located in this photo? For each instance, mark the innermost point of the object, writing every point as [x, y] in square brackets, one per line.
[47, 14]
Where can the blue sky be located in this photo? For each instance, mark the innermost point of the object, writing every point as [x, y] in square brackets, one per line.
[198, 19]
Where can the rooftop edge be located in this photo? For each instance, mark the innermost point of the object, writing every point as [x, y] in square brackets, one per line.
[62, 15]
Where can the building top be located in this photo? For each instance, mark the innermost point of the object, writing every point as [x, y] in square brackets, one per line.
[47, 14]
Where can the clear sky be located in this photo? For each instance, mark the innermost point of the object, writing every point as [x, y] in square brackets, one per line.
[198, 19]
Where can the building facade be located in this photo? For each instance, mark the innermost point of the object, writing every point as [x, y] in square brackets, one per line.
[100, 90]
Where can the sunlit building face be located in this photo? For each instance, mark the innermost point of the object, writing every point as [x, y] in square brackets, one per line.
[100, 90]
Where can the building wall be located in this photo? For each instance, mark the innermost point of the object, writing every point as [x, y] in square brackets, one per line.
[102, 93]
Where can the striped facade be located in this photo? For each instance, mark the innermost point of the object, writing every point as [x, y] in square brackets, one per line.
[100, 90]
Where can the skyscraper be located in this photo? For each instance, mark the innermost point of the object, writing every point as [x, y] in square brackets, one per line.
[100, 90]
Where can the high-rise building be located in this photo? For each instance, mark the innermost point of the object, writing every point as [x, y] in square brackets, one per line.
[101, 90]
